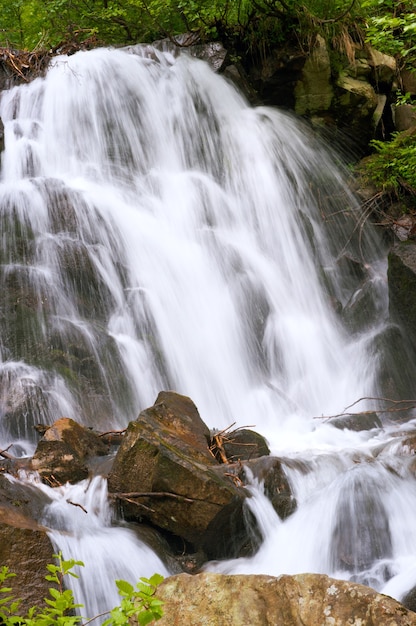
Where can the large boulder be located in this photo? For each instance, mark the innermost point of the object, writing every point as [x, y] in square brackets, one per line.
[165, 473]
[309, 599]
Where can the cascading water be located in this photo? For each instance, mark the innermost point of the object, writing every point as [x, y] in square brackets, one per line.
[159, 233]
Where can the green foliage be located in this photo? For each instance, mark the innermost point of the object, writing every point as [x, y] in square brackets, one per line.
[139, 602]
[391, 29]
[241, 24]
[8, 605]
[392, 167]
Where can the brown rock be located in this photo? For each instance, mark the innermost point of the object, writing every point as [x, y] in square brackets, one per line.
[83, 441]
[57, 463]
[245, 444]
[21, 504]
[308, 599]
[270, 471]
[165, 465]
[26, 552]
[62, 452]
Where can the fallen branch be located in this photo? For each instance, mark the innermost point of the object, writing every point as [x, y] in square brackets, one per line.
[408, 404]
[413, 402]
[151, 494]
[143, 506]
[113, 437]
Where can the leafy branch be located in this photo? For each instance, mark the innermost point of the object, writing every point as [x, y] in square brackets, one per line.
[140, 602]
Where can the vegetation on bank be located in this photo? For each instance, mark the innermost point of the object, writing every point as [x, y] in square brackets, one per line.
[59, 609]
[247, 28]
[243, 24]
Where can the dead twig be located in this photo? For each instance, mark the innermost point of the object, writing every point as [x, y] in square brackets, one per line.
[79, 505]
[140, 504]
[398, 406]
[151, 494]
[380, 400]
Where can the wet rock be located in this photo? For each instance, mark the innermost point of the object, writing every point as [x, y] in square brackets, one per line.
[352, 266]
[21, 504]
[409, 599]
[361, 534]
[213, 52]
[238, 445]
[397, 368]
[356, 422]
[309, 599]
[270, 471]
[1, 135]
[360, 311]
[402, 287]
[233, 533]
[61, 455]
[164, 465]
[238, 76]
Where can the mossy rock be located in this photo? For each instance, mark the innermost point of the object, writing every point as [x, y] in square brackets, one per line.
[165, 457]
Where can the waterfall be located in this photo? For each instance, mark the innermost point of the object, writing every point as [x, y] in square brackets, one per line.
[157, 232]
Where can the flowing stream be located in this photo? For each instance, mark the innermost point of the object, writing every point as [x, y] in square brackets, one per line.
[159, 233]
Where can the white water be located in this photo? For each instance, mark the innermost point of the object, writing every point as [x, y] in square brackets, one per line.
[158, 233]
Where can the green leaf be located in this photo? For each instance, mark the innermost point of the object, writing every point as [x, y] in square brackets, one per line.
[124, 588]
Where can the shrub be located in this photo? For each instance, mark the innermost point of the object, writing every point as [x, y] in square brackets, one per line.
[139, 602]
